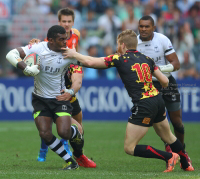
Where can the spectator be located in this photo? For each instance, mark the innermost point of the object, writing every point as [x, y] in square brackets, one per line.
[131, 22]
[99, 6]
[120, 10]
[45, 6]
[90, 73]
[184, 5]
[110, 24]
[83, 8]
[187, 69]
[111, 73]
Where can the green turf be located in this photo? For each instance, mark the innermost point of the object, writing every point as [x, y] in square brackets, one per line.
[103, 142]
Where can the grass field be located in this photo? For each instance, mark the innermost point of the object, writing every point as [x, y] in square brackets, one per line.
[103, 142]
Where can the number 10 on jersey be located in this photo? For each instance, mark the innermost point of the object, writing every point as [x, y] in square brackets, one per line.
[143, 72]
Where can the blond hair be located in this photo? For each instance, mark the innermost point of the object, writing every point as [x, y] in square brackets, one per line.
[129, 38]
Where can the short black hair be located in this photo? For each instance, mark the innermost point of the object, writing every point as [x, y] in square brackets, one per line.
[147, 18]
[54, 31]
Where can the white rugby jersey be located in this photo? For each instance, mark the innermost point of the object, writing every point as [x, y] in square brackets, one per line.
[50, 81]
[157, 48]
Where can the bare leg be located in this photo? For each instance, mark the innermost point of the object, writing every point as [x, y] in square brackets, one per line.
[44, 126]
[134, 133]
[163, 130]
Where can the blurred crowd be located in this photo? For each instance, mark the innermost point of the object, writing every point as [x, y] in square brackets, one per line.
[100, 21]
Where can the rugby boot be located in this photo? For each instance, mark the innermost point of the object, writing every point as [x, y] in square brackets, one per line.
[83, 161]
[42, 155]
[70, 166]
[171, 163]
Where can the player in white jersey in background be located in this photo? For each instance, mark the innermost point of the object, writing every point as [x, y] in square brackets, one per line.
[159, 47]
[47, 101]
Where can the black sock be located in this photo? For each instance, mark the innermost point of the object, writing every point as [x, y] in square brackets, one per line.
[177, 147]
[147, 151]
[73, 132]
[78, 151]
[56, 146]
[77, 144]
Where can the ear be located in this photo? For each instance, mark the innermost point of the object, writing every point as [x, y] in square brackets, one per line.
[154, 28]
[50, 40]
[123, 46]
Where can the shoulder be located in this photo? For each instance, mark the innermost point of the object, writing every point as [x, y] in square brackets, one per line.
[76, 32]
[139, 40]
[160, 36]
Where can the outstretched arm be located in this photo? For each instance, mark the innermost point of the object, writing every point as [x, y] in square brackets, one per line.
[88, 61]
[161, 78]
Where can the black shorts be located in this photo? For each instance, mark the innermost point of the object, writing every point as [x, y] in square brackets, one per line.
[76, 107]
[50, 106]
[171, 93]
[148, 111]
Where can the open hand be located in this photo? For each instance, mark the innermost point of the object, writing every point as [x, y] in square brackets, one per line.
[68, 53]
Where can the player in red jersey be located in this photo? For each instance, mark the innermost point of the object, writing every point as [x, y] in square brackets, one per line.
[66, 19]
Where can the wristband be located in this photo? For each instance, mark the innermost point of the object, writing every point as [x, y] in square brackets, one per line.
[166, 68]
[70, 91]
[13, 57]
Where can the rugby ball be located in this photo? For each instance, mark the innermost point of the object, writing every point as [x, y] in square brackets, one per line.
[32, 59]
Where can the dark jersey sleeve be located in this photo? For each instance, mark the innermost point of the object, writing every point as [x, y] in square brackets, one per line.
[112, 60]
[154, 66]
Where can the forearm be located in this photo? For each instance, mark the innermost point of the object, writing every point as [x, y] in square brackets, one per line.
[76, 85]
[13, 57]
[87, 61]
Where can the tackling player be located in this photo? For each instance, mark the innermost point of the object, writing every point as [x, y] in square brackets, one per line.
[159, 47]
[66, 19]
[49, 106]
[136, 70]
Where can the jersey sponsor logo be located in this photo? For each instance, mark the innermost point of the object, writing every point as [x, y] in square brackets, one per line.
[147, 45]
[49, 69]
[64, 107]
[156, 49]
[146, 120]
[156, 59]
[59, 60]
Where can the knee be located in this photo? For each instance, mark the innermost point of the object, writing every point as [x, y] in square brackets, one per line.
[46, 135]
[179, 127]
[129, 149]
[65, 134]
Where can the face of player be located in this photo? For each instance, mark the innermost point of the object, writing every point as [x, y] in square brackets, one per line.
[66, 22]
[59, 42]
[146, 30]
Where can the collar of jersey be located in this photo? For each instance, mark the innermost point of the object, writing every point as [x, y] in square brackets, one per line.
[132, 50]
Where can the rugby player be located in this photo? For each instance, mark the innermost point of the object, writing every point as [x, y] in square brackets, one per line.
[160, 49]
[136, 70]
[48, 103]
[66, 18]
